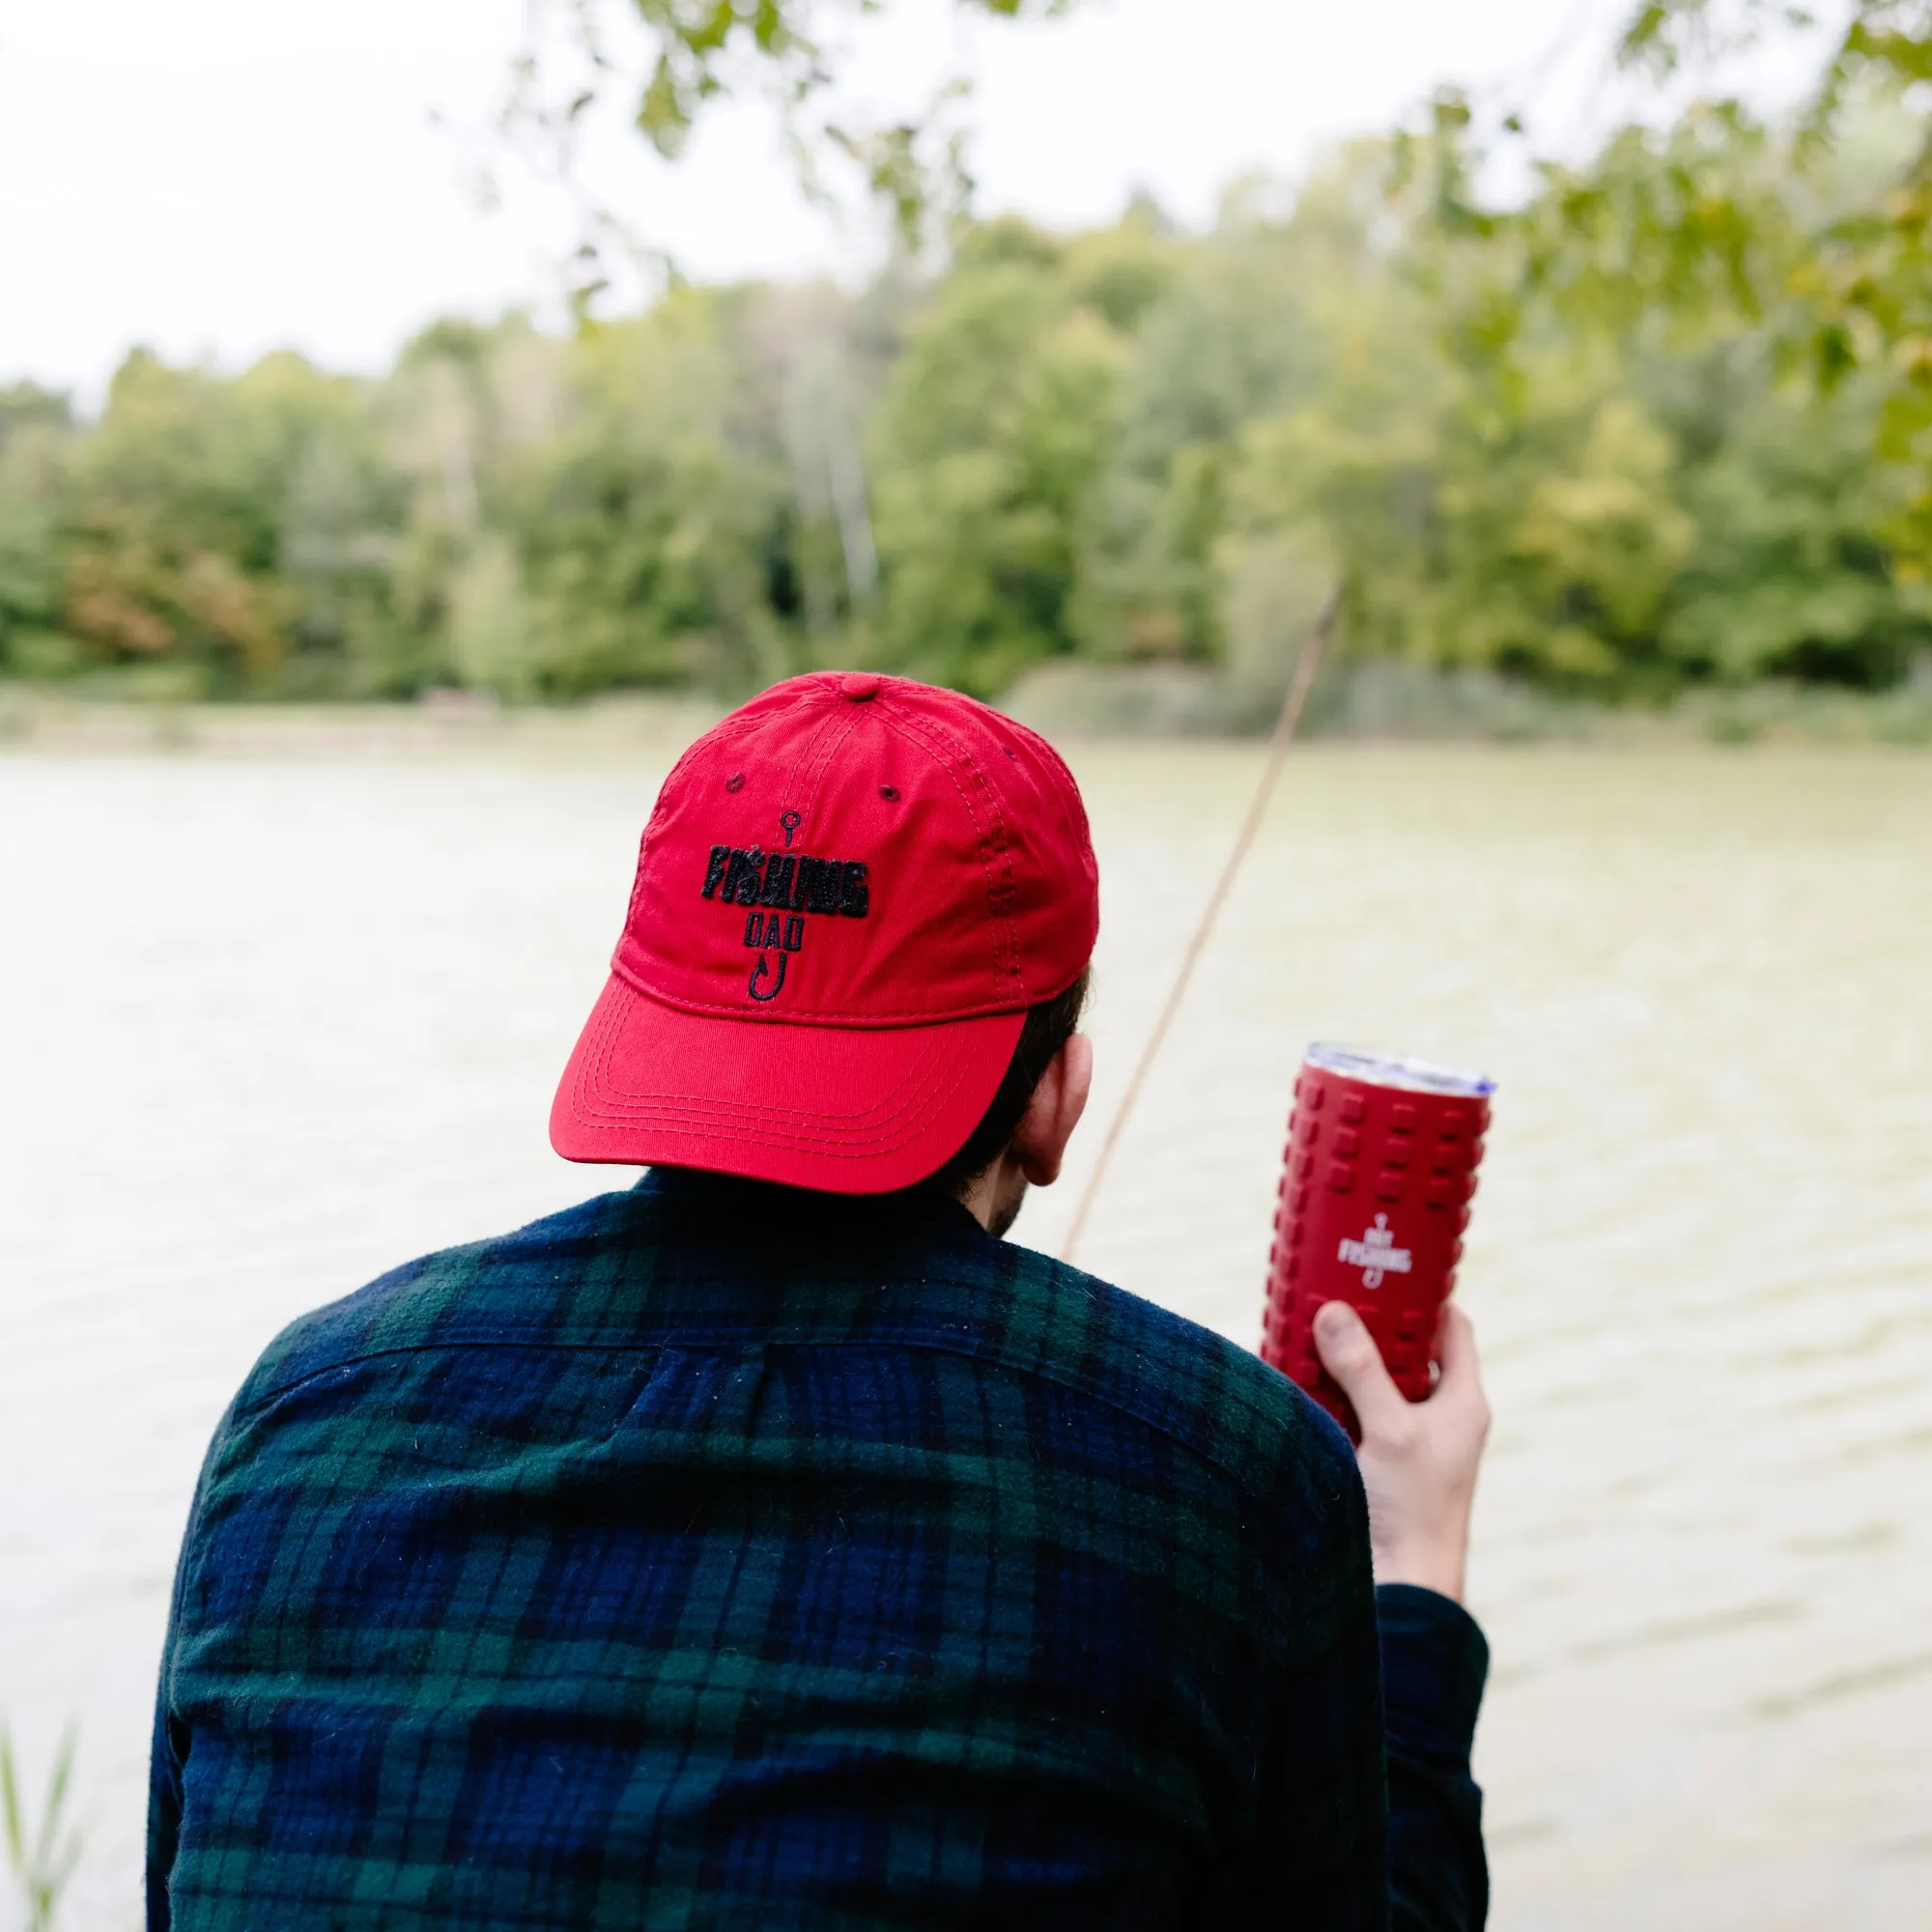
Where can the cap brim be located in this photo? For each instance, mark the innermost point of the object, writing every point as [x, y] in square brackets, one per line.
[847, 1110]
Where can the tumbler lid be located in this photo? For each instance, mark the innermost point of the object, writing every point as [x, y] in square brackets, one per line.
[1395, 1069]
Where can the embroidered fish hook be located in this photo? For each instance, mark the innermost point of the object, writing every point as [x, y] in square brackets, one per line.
[790, 823]
[762, 971]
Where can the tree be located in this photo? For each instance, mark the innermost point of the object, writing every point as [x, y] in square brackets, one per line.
[664, 63]
[37, 438]
[994, 425]
[1584, 437]
[1851, 276]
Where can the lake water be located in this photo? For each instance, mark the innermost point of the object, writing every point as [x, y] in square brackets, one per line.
[267, 1028]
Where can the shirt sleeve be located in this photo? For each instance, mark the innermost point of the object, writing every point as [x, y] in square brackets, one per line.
[1434, 1663]
[165, 1807]
[1320, 1857]
[168, 1750]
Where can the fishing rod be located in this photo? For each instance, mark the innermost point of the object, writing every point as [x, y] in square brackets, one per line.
[1284, 727]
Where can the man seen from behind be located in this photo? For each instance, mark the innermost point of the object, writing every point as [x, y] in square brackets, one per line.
[773, 1544]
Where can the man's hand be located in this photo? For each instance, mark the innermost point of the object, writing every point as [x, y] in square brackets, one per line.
[1418, 1459]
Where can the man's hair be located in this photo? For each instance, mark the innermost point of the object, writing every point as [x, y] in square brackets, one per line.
[1048, 1027]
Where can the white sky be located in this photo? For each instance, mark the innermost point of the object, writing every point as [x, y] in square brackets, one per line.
[218, 178]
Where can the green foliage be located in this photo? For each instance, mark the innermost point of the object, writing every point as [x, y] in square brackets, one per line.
[662, 63]
[43, 1859]
[35, 445]
[1787, 574]
[642, 508]
[1853, 282]
[1646, 470]
[992, 428]
[1591, 439]
[700, 50]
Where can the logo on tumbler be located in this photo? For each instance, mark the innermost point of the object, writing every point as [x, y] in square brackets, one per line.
[1376, 1254]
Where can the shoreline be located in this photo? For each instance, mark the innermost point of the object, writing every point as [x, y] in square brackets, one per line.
[1361, 705]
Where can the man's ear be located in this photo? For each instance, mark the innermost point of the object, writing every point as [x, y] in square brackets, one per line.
[1040, 1142]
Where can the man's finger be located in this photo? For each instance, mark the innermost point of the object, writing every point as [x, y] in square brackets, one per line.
[1349, 1354]
[1456, 1350]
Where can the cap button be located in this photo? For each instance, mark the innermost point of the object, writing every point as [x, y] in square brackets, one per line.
[860, 684]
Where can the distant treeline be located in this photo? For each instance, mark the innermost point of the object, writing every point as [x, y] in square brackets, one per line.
[1517, 442]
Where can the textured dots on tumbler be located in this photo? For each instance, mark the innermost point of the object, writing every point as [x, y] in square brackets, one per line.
[1397, 1223]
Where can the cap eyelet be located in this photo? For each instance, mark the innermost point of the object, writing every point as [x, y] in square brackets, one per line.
[735, 783]
[889, 791]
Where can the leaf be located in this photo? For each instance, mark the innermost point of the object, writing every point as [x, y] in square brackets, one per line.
[42, 1861]
[56, 1799]
[9, 1803]
[663, 113]
[712, 30]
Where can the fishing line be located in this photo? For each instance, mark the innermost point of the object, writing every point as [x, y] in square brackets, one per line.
[1285, 726]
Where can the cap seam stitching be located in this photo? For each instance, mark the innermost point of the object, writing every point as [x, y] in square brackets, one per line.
[812, 1015]
[910, 1120]
[1005, 943]
[612, 1025]
[825, 746]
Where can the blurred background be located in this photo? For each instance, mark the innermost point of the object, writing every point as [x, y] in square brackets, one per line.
[417, 421]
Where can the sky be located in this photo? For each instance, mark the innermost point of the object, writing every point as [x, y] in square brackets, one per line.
[215, 178]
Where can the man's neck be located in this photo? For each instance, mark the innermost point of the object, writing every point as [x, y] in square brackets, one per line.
[994, 1197]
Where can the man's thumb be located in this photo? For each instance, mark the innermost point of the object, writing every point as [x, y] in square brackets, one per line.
[1349, 1354]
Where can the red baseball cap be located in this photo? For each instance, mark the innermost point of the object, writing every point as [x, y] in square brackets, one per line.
[848, 894]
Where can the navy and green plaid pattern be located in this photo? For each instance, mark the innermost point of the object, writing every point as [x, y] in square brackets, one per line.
[714, 1555]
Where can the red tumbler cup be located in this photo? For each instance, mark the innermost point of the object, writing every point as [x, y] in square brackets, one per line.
[1375, 1196]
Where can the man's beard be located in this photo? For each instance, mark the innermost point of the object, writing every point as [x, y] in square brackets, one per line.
[1007, 1213]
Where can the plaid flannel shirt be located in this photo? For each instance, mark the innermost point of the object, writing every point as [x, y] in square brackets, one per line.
[712, 1555]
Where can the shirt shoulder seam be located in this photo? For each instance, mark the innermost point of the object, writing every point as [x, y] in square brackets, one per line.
[248, 1405]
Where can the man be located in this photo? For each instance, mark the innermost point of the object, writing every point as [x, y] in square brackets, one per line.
[772, 1544]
